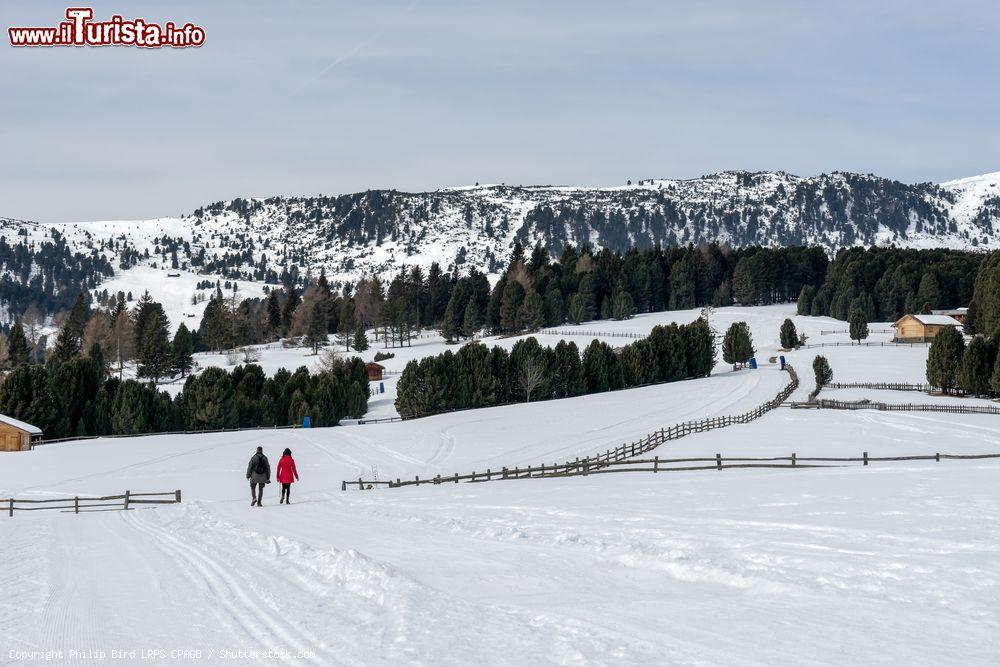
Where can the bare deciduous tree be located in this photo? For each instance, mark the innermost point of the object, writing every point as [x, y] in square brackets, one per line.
[529, 376]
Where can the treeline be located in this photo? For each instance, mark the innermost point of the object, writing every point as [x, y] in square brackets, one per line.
[883, 284]
[973, 368]
[476, 376]
[77, 398]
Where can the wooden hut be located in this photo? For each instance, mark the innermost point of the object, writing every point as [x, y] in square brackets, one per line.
[16, 435]
[921, 328]
[374, 371]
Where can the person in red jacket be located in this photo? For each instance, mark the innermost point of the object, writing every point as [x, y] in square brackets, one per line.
[286, 475]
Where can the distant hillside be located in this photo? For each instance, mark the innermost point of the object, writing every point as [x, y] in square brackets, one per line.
[381, 231]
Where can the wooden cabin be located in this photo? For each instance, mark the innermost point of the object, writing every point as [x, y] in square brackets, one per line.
[374, 371]
[16, 435]
[921, 328]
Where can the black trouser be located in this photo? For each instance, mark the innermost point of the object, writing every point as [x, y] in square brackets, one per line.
[254, 495]
[285, 490]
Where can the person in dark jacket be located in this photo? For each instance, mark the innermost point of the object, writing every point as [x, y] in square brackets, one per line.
[259, 474]
[286, 475]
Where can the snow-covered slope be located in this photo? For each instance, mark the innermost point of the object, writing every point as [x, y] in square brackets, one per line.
[753, 567]
[381, 231]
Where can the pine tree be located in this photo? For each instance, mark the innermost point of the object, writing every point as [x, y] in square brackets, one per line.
[154, 349]
[67, 346]
[944, 357]
[450, 324]
[273, 312]
[577, 310]
[17, 346]
[788, 335]
[291, 304]
[347, 325]
[97, 354]
[995, 378]
[316, 330]
[984, 310]
[976, 366]
[472, 320]
[360, 338]
[622, 305]
[822, 371]
[805, 300]
[858, 326]
[929, 292]
[530, 313]
[737, 344]
[182, 350]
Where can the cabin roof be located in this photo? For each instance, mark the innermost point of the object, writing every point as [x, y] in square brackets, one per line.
[20, 425]
[938, 320]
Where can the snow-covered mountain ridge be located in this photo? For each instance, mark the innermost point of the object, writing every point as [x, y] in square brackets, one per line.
[381, 231]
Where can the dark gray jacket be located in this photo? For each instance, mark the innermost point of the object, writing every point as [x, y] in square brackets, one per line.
[252, 466]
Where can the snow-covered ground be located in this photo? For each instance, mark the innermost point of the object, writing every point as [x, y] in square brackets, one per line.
[895, 563]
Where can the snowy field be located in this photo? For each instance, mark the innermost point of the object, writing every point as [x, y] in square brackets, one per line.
[887, 564]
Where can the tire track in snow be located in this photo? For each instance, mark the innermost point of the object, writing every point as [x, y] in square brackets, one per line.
[243, 607]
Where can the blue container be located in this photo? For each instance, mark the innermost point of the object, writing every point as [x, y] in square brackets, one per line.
[305, 422]
[782, 359]
[753, 362]
[381, 387]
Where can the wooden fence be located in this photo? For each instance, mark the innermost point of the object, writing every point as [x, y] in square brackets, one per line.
[847, 331]
[655, 465]
[626, 450]
[829, 404]
[894, 386]
[853, 344]
[93, 504]
[595, 334]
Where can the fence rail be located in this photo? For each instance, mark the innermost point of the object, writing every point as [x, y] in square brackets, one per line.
[894, 386]
[79, 504]
[830, 404]
[809, 346]
[590, 332]
[624, 451]
[847, 331]
[655, 465]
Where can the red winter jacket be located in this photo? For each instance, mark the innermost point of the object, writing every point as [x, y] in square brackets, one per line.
[287, 471]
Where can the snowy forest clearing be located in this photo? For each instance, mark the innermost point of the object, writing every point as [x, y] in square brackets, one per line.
[854, 563]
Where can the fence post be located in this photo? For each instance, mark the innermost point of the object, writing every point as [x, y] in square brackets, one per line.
[126, 498]
[489, 474]
[416, 480]
[437, 478]
[937, 456]
[11, 501]
[586, 465]
[718, 461]
[456, 478]
[343, 485]
[793, 459]
[656, 463]
[76, 505]
[361, 486]
[505, 472]
[866, 458]
[177, 496]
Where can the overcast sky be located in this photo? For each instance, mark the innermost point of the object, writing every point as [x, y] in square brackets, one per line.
[332, 97]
